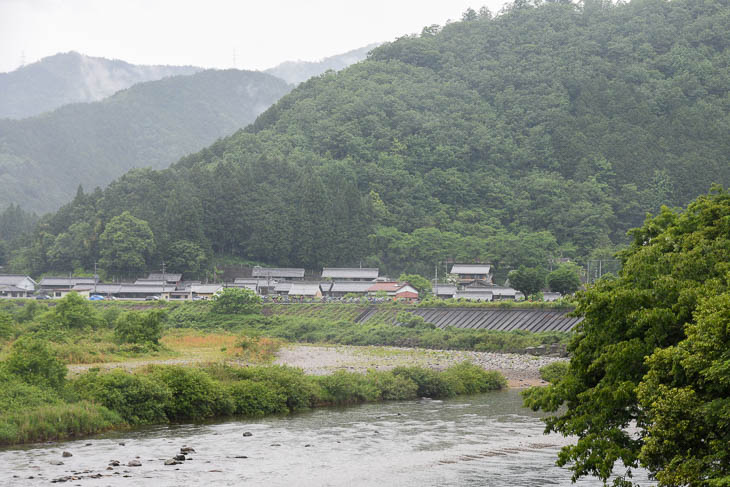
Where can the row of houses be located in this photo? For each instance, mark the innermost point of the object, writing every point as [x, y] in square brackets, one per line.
[471, 282]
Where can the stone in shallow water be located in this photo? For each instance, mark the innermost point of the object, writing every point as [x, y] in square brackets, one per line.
[134, 463]
[67, 454]
[247, 433]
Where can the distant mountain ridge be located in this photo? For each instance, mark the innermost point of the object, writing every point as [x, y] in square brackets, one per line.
[71, 77]
[43, 159]
[295, 72]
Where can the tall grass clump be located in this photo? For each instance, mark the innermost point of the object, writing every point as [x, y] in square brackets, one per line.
[56, 422]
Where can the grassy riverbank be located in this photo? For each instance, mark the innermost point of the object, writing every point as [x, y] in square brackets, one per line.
[37, 409]
[40, 402]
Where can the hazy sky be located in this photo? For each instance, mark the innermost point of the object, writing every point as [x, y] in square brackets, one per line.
[206, 32]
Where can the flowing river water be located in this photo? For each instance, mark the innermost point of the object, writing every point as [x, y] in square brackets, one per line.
[484, 440]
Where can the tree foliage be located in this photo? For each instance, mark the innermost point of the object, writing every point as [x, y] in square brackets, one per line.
[139, 328]
[126, 245]
[527, 280]
[73, 312]
[565, 279]
[236, 301]
[652, 351]
[33, 362]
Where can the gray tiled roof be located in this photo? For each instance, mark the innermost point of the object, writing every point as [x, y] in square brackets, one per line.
[169, 277]
[140, 289]
[442, 289]
[350, 272]
[351, 287]
[306, 289]
[281, 272]
[206, 288]
[65, 281]
[283, 286]
[471, 269]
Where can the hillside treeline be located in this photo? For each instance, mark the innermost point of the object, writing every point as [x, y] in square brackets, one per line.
[547, 130]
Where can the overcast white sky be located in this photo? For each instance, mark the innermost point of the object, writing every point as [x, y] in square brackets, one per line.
[206, 32]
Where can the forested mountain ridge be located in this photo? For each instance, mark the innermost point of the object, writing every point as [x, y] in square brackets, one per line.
[295, 72]
[72, 78]
[44, 159]
[548, 130]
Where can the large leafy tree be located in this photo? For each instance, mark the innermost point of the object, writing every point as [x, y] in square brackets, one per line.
[126, 245]
[652, 353]
[527, 280]
[565, 279]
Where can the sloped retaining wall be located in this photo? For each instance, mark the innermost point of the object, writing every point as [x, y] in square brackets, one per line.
[534, 320]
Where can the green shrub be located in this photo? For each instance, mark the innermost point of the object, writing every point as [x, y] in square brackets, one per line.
[343, 387]
[467, 378]
[55, 422]
[18, 396]
[73, 312]
[236, 301]
[193, 393]
[554, 372]
[34, 362]
[301, 391]
[429, 383]
[257, 398]
[393, 387]
[30, 310]
[137, 398]
[7, 326]
[139, 327]
[110, 314]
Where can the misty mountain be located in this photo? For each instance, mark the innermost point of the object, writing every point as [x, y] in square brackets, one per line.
[295, 72]
[546, 131]
[43, 159]
[71, 77]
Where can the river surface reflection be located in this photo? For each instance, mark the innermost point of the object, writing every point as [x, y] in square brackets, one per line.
[485, 440]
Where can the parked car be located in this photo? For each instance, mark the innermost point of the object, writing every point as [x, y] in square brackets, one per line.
[43, 296]
[152, 298]
[96, 297]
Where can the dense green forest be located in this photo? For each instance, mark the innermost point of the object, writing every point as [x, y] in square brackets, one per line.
[71, 77]
[547, 130]
[44, 159]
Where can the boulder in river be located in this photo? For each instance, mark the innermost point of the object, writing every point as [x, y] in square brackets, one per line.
[180, 457]
[247, 433]
[134, 463]
[67, 454]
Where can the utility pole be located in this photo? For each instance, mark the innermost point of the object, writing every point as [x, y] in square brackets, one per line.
[164, 278]
[96, 278]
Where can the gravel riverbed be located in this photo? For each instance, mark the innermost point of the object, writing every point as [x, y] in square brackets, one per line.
[520, 370]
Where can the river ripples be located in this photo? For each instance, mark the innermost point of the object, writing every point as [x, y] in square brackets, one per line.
[486, 440]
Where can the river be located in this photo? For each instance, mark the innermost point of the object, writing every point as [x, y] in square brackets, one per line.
[485, 440]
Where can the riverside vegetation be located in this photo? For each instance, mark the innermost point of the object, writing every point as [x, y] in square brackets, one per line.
[40, 402]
